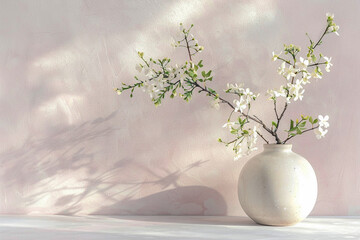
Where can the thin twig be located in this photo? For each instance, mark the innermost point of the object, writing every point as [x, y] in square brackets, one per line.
[276, 113]
[262, 137]
[188, 47]
[318, 42]
[299, 134]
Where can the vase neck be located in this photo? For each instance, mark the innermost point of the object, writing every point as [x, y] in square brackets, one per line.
[277, 147]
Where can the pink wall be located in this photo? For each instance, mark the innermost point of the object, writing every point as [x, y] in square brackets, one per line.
[69, 145]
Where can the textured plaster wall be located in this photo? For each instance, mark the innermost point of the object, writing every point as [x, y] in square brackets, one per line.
[69, 145]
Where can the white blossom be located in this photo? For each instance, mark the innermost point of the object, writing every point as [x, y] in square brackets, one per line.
[118, 91]
[150, 88]
[310, 60]
[249, 95]
[290, 72]
[323, 121]
[296, 90]
[148, 71]
[248, 144]
[229, 125]
[238, 88]
[320, 132]
[281, 69]
[323, 124]
[306, 77]
[215, 103]
[303, 64]
[316, 74]
[276, 93]
[334, 28]
[275, 56]
[240, 105]
[252, 139]
[330, 16]
[238, 154]
[328, 63]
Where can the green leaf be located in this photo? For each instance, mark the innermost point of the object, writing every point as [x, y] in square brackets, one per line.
[203, 73]
[291, 124]
[298, 131]
[316, 120]
[302, 124]
[274, 124]
[313, 57]
[191, 74]
[200, 64]
[311, 120]
[211, 90]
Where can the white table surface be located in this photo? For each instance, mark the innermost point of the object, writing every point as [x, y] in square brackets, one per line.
[171, 227]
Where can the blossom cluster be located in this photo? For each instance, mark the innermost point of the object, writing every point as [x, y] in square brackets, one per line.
[332, 27]
[298, 74]
[323, 125]
[299, 71]
[188, 40]
[246, 138]
[245, 96]
[158, 77]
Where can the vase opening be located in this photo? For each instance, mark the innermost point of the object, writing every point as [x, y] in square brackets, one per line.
[277, 147]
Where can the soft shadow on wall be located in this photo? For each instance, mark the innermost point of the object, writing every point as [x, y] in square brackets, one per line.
[63, 166]
[49, 167]
[60, 174]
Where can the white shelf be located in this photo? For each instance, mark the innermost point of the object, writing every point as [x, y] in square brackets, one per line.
[171, 227]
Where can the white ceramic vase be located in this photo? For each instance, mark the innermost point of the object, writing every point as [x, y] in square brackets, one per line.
[277, 187]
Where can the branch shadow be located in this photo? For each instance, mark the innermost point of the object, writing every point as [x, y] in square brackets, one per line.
[64, 173]
[188, 200]
[43, 163]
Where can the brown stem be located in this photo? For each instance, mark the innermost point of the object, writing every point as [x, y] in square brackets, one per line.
[301, 133]
[278, 141]
[315, 64]
[282, 114]
[318, 42]
[276, 113]
[262, 137]
[188, 48]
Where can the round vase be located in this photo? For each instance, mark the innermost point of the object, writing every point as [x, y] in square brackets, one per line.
[277, 187]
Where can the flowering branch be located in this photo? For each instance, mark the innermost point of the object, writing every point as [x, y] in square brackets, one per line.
[307, 130]
[159, 78]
